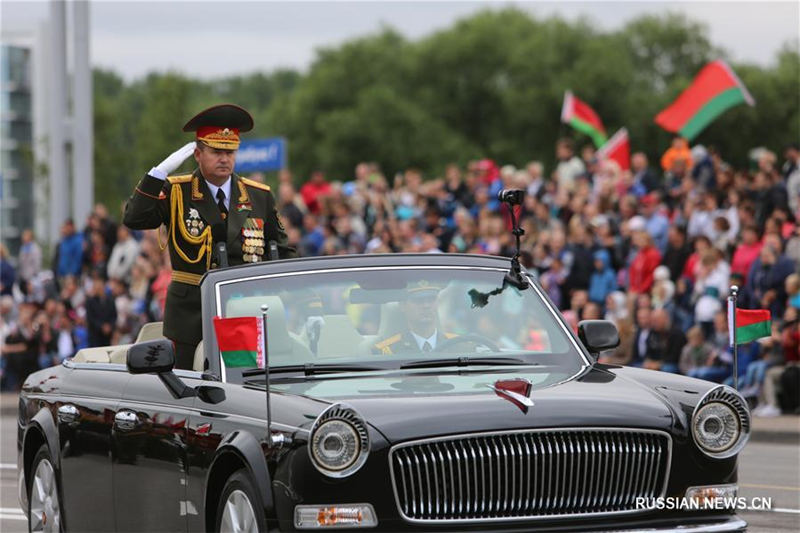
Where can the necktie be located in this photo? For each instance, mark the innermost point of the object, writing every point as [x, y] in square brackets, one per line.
[221, 203]
[427, 347]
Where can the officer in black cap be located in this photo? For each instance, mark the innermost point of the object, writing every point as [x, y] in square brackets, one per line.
[201, 209]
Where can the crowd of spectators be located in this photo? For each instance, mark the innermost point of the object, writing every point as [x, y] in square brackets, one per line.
[653, 249]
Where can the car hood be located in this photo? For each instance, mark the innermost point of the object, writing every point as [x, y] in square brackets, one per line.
[408, 406]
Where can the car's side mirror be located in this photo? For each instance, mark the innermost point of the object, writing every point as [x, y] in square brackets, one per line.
[598, 335]
[158, 357]
[151, 357]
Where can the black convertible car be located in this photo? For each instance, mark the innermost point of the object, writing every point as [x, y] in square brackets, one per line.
[401, 393]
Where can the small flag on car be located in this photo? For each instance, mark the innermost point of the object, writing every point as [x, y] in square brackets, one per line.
[240, 341]
[751, 324]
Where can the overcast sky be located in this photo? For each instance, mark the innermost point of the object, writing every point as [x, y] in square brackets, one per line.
[211, 39]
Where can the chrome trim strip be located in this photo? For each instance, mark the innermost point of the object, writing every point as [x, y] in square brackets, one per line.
[66, 397]
[549, 500]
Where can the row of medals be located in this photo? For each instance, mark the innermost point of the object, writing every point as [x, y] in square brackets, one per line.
[194, 223]
[253, 247]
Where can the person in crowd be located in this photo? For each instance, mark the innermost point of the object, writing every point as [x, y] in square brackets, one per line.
[569, 166]
[747, 251]
[664, 343]
[765, 286]
[710, 289]
[791, 175]
[678, 157]
[69, 251]
[314, 190]
[21, 347]
[8, 274]
[123, 256]
[30, 259]
[656, 223]
[696, 352]
[642, 174]
[101, 314]
[645, 261]
[770, 402]
[603, 280]
[792, 286]
[642, 334]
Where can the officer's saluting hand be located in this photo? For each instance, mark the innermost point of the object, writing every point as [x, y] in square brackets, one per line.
[198, 209]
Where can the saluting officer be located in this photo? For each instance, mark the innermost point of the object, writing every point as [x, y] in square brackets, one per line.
[201, 209]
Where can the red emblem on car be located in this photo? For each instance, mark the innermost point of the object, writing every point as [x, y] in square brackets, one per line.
[516, 391]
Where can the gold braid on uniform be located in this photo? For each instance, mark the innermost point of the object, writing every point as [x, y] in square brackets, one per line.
[203, 240]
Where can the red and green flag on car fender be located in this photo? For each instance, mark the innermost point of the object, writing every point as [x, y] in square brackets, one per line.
[751, 324]
[240, 341]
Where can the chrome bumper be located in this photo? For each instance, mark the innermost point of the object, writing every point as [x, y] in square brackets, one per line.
[734, 523]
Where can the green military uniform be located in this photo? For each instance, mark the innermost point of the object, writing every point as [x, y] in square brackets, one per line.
[185, 205]
[405, 343]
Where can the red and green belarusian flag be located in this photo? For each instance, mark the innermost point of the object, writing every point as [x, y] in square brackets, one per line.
[714, 90]
[751, 324]
[240, 340]
[580, 116]
[618, 148]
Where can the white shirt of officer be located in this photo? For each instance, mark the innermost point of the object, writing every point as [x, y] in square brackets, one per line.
[422, 340]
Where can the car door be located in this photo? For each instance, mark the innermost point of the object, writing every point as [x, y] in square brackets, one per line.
[84, 414]
[149, 456]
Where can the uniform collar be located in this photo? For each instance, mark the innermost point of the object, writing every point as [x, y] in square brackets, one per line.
[422, 340]
[226, 188]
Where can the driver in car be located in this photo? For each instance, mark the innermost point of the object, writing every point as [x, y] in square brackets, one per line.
[421, 332]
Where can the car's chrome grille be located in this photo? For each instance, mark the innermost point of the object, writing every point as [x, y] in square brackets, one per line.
[529, 474]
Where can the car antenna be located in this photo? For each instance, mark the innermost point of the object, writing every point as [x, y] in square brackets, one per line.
[514, 277]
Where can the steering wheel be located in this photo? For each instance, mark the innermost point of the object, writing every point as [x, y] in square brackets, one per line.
[469, 337]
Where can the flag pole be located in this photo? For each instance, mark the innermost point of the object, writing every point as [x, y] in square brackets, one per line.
[272, 440]
[732, 304]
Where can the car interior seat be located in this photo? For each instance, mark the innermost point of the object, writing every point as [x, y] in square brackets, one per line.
[150, 332]
[338, 337]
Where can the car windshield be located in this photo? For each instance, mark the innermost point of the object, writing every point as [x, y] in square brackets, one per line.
[399, 318]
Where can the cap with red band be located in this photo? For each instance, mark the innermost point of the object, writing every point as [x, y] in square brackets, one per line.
[219, 126]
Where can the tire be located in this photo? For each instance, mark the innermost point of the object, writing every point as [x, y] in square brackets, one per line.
[44, 501]
[239, 508]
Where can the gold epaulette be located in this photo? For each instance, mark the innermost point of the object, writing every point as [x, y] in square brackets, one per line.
[384, 345]
[255, 184]
[179, 179]
[450, 335]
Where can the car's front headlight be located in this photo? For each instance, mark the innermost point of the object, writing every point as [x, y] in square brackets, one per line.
[721, 423]
[339, 441]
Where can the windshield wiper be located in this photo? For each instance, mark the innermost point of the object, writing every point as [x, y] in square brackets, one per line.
[467, 361]
[309, 369]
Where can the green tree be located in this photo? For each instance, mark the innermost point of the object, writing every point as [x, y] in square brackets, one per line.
[490, 85]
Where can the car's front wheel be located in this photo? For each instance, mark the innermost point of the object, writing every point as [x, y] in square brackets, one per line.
[239, 509]
[44, 505]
